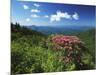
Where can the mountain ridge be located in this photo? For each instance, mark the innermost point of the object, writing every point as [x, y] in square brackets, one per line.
[60, 30]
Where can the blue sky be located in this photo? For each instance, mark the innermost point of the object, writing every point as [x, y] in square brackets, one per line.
[52, 14]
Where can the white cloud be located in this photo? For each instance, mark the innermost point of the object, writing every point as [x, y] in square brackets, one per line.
[54, 18]
[25, 7]
[46, 16]
[36, 5]
[63, 15]
[59, 15]
[35, 10]
[75, 16]
[34, 16]
[28, 19]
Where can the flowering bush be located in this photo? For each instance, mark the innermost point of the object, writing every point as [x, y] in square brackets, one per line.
[70, 46]
[70, 51]
[66, 42]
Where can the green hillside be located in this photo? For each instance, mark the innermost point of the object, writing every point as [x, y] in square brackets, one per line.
[34, 52]
[89, 38]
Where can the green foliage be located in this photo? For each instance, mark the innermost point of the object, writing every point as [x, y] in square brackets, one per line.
[34, 52]
[89, 37]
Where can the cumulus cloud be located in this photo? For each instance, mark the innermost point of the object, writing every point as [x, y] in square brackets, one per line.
[35, 10]
[34, 16]
[59, 15]
[36, 5]
[28, 19]
[75, 16]
[46, 16]
[25, 7]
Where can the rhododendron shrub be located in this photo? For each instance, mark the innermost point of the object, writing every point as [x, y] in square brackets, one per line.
[66, 42]
[71, 46]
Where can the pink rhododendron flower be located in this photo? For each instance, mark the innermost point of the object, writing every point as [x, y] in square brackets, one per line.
[66, 41]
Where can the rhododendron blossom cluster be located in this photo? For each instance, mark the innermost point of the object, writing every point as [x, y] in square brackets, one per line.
[67, 42]
[70, 44]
